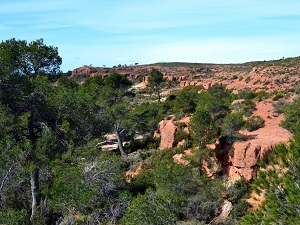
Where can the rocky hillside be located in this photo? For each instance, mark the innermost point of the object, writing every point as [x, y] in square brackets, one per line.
[266, 75]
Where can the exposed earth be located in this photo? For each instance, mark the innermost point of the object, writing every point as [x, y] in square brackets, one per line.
[270, 76]
[266, 75]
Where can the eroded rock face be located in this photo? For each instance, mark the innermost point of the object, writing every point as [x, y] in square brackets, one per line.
[166, 131]
[246, 153]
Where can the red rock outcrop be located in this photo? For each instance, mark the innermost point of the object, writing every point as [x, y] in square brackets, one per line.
[267, 77]
[166, 131]
[145, 80]
[247, 153]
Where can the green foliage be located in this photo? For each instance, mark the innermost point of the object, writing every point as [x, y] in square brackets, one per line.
[212, 108]
[49, 129]
[204, 129]
[69, 190]
[151, 208]
[277, 96]
[247, 80]
[155, 79]
[232, 123]
[254, 123]
[204, 205]
[181, 135]
[13, 217]
[146, 143]
[186, 99]
[173, 178]
[117, 81]
[246, 94]
[65, 82]
[20, 58]
[238, 190]
[94, 189]
[280, 183]
[292, 121]
[280, 106]
[169, 183]
[146, 116]
[246, 107]
[240, 208]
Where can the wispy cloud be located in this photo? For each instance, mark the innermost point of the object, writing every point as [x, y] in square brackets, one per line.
[99, 32]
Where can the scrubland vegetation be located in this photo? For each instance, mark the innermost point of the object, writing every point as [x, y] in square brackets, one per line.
[52, 171]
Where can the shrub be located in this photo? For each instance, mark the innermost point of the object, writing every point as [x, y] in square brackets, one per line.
[151, 208]
[181, 134]
[186, 100]
[254, 123]
[248, 107]
[247, 80]
[205, 205]
[280, 106]
[256, 82]
[277, 96]
[14, 217]
[238, 190]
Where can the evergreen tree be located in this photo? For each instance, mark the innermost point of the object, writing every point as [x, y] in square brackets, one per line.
[155, 79]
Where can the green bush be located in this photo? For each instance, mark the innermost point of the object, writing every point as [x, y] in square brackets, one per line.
[292, 118]
[14, 217]
[204, 205]
[181, 134]
[280, 106]
[151, 208]
[229, 131]
[186, 100]
[238, 190]
[277, 96]
[254, 123]
[247, 80]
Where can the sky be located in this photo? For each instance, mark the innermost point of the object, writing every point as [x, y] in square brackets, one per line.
[113, 32]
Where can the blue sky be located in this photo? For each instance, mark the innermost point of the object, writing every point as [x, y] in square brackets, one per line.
[116, 32]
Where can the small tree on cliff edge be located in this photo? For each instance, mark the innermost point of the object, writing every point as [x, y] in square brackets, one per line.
[114, 104]
[155, 79]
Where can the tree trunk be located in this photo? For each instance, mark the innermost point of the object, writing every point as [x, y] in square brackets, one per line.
[120, 143]
[35, 191]
[158, 93]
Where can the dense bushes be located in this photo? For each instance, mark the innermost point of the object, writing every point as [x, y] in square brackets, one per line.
[292, 121]
[280, 183]
[254, 123]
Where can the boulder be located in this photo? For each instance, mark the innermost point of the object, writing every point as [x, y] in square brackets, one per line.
[235, 173]
[166, 131]
[245, 154]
